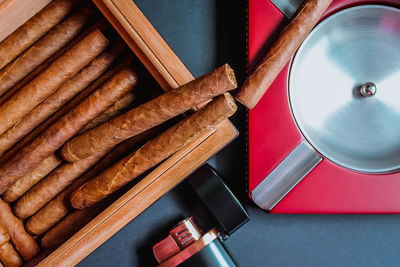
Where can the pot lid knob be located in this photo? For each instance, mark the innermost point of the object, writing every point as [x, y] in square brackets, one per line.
[368, 89]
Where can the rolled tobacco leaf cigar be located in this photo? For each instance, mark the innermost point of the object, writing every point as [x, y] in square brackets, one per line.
[65, 109]
[280, 52]
[121, 106]
[58, 133]
[53, 211]
[59, 206]
[50, 186]
[53, 184]
[8, 256]
[153, 152]
[23, 242]
[150, 114]
[44, 48]
[59, 98]
[33, 29]
[68, 226]
[4, 236]
[99, 25]
[61, 70]
[31, 178]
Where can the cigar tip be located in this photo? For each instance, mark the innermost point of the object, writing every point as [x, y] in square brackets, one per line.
[231, 74]
[8, 196]
[28, 228]
[231, 102]
[66, 154]
[45, 242]
[19, 211]
[243, 98]
[74, 199]
[100, 39]
[129, 74]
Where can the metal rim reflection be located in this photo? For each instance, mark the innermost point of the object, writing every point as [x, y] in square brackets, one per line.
[355, 46]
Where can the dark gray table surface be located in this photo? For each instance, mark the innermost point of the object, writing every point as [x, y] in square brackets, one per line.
[206, 34]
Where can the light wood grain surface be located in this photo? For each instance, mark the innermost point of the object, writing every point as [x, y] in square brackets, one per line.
[14, 13]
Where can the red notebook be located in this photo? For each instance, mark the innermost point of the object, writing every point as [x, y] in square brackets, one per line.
[273, 134]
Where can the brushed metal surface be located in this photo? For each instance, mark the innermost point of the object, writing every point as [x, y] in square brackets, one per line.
[344, 52]
[288, 7]
[290, 171]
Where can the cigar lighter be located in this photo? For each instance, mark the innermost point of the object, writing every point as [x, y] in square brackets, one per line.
[186, 245]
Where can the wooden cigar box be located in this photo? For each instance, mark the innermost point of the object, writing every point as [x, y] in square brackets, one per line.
[169, 72]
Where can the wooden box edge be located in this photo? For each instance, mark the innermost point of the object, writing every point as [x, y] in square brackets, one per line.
[169, 72]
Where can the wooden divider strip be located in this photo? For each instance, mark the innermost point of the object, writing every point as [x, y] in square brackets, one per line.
[140, 197]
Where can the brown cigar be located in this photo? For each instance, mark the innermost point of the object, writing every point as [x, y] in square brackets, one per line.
[68, 226]
[50, 186]
[280, 52]
[4, 236]
[31, 178]
[52, 161]
[99, 25]
[59, 206]
[59, 98]
[56, 116]
[120, 107]
[66, 127]
[24, 243]
[8, 255]
[60, 71]
[153, 152]
[44, 48]
[53, 184]
[33, 29]
[150, 114]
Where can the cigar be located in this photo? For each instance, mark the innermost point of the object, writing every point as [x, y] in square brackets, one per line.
[66, 127]
[153, 152]
[65, 109]
[4, 236]
[61, 70]
[50, 186]
[53, 184]
[44, 48]
[31, 178]
[99, 25]
[120, 107]
[59, 206]
[280, 52]
[68, 226]
[8, 255]
[38, 259]
[24, 243]
[34, 29]
[59, 98]
[150, 114]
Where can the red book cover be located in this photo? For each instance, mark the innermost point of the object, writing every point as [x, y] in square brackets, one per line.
[273, 134]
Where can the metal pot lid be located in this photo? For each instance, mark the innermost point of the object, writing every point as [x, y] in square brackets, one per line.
[344, 88]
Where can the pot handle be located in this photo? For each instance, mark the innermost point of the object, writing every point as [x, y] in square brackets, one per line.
[284, 177]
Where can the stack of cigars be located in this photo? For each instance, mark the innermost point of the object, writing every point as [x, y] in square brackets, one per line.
[71, 131]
